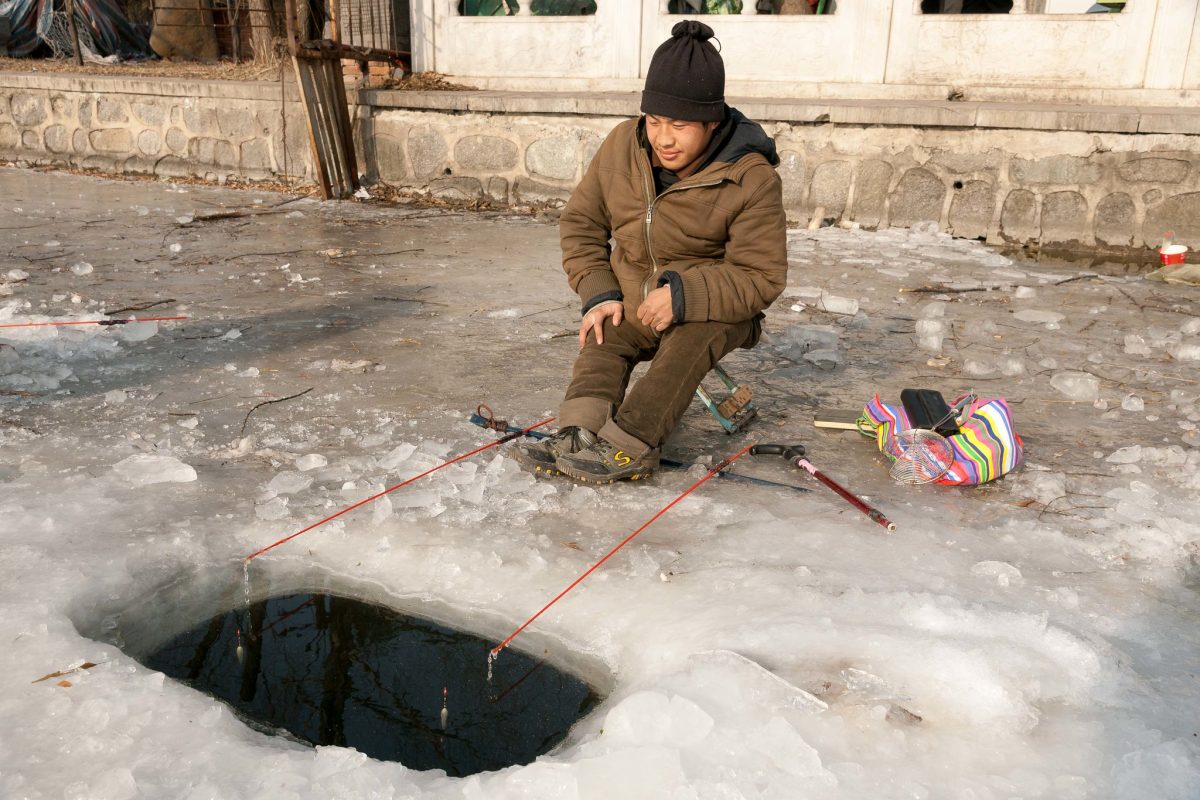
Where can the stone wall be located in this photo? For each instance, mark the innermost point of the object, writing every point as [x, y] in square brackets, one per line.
[205, 129]
[518, 160]
[1069, 177]
[1066, 189]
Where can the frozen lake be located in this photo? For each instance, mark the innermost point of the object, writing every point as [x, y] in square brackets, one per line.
[1036, 637]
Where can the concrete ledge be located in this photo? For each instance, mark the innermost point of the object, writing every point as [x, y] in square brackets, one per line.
[895, 111]
[153, 87]
[865, 112]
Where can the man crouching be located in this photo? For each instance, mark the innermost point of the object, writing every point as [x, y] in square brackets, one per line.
[675, 242]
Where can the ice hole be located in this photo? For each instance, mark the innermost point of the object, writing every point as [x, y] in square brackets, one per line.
[330, 663]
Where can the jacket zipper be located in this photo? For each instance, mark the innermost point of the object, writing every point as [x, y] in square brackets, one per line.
[651, 200]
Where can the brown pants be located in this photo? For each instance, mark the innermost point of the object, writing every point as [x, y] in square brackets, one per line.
[679, 359]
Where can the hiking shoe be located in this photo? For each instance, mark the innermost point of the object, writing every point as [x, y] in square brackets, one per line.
[541, 456]
[603, 462]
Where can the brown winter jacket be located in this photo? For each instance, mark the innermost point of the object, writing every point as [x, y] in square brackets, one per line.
[722, 230]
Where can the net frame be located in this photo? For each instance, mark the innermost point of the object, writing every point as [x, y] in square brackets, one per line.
[919, 456]
[58, 36]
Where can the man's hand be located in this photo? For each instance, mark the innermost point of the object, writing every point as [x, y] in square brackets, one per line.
[594, 320]
[656, 311]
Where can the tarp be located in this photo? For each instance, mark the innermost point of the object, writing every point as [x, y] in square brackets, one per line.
[104, 30]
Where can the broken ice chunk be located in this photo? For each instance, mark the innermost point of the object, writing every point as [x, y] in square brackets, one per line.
[143, 469]
[311, 461]
[834, 304]
[1080, 386]
[1004, 573]
[1133, 403]
[1135, 345]
[1048, 318]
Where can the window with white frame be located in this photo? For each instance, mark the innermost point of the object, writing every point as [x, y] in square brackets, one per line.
[537, 8]
[782, 7]
[1022, 6]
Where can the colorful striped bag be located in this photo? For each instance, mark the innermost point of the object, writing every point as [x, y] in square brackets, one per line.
[985, 447]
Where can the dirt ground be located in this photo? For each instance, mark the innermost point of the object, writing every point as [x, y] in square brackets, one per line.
[223, 70]
[157, 68]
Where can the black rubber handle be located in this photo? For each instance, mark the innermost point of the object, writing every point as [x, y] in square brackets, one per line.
[788, 451]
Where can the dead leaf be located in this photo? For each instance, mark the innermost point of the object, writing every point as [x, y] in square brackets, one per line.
[1026, 503]
[65, 684]
[572, 545]
[61, 672]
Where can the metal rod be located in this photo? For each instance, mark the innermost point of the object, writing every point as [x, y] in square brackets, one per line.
[795, 454]
[74, 28]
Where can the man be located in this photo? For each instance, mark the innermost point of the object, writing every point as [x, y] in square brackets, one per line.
[675, 242]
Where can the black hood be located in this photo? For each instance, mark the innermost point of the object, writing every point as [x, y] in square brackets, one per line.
[743, 137]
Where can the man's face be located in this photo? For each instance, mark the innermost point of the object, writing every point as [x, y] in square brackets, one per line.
[678, 143]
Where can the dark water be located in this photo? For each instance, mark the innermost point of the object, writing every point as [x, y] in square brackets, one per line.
[1131, 262]
[335, 671]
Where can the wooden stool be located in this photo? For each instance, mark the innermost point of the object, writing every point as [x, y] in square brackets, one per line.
[736, 410]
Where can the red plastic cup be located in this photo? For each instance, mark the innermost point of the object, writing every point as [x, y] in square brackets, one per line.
[1172, 254]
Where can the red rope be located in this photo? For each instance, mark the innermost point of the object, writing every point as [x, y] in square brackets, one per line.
[626, 541]
[88, 322]
[501, 440]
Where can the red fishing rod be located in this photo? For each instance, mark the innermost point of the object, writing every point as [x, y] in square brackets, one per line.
[499, 441]
[87, 322]
[496, 650]
[795, 454]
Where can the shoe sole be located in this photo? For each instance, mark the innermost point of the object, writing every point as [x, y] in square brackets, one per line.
[586, 478]
[547, 470]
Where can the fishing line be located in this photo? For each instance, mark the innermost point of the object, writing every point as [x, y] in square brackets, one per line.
[496, 650]
[499, 441]
[484, 418]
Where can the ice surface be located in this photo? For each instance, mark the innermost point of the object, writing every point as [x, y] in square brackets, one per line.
[81, 268]
[143, 469]
[977, 368]
[1032, 638]
[1010, 366]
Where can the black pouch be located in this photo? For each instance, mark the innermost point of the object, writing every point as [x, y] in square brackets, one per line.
[926, 408]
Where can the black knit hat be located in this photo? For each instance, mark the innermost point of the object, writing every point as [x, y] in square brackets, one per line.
[686, 79]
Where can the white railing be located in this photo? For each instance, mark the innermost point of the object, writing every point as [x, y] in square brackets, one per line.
[1152, 44]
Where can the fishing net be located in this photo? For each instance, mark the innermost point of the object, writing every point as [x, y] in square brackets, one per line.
[105, 33]
[57, 35]
[919, 456]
